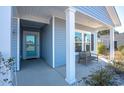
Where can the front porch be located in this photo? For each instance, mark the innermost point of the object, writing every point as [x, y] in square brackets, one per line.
[38, 73]
[57, 37]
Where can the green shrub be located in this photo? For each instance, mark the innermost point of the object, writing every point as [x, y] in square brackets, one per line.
[102, 77]
[102, 48]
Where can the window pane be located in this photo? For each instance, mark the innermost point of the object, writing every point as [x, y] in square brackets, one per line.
[78, 41]
[30, 42]
[87, 42]
[30, 45]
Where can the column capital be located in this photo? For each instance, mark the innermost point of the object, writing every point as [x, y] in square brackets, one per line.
[70, 9]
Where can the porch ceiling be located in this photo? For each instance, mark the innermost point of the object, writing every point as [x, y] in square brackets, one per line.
[44, 13]
[32, 24]
[40, 13]
[89, 22]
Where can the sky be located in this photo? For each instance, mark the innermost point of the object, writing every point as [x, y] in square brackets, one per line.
[120, 11]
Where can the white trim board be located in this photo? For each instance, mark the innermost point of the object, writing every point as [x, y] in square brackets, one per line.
[115, 19]
[18, 44]
[83, 31]
[53, 40]
[35, 19]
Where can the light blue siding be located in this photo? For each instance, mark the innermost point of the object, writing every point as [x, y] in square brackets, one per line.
[14, 11]
[98, 12]
[5, 30]
[46, 43]
[60, 42]
[14, 40]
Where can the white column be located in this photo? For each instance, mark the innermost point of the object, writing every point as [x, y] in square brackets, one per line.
[53, 40]
[70, 45]
[5, 31]
[112, 44]
[82, 41]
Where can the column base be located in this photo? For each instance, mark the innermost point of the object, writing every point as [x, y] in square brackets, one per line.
[70, 81]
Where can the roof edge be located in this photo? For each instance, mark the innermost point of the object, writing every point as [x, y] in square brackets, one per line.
[113, 15]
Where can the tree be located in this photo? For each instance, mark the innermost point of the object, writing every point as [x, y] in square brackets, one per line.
[103, 32]
[106, 32]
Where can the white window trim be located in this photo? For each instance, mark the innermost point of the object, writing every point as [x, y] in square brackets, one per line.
[84, 32]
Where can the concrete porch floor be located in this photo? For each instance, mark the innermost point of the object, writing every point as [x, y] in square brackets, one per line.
[37, 73]
[83, 70]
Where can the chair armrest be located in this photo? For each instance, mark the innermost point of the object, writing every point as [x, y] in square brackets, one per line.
[94, 54]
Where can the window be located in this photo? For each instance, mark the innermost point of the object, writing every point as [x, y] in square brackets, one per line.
[87, 42]
[115, 45]
[92, 42]
[78, 41]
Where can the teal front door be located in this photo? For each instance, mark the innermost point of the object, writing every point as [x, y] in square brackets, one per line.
[31, 45]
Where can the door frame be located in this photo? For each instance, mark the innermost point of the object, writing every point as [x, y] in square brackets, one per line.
[38, 45]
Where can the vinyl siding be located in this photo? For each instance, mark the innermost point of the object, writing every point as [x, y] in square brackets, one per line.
[5, 31]
[46, 43]
[118, 37]
[14, 40]
[14, 11]
[60, 42]
[98, 12]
